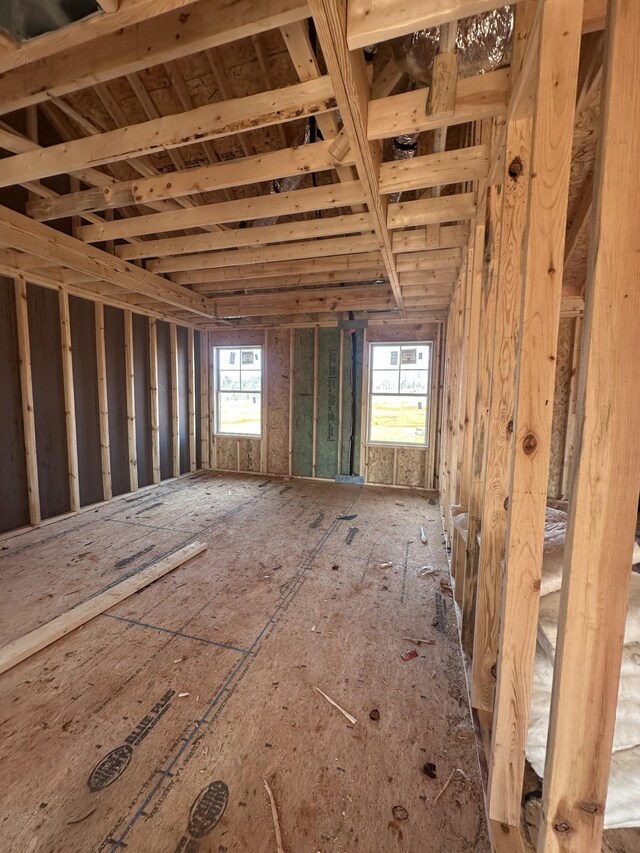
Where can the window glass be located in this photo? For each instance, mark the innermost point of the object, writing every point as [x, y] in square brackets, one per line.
[399, 389]
[238, 379]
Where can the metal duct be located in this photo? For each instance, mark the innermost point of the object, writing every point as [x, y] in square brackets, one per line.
[483, 43]
[404, 148]
[27, 19]
[286, 185]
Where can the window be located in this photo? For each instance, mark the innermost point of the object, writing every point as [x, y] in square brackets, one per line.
[399, 382]
[238, 385]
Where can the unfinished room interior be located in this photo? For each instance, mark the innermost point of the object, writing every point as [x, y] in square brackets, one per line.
[319, 455]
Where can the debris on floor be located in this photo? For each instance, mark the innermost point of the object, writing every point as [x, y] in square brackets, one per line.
[410, 655]
[274, 814]
[448, 782]
[418, 642]
[400, 813]
[424, 571]
[423, 536]
[349, 717]
[386, 565]
[429, 770]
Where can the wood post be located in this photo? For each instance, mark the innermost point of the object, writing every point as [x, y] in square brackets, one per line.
[478, 450]
[69, 402]
[314, 437]
[103, 403]
[515, 202]
[191, 367]
[205, 426]
[26, 388]
[175, 407]
[131, 401]
[555, 94]
[570, 436]
[604, 493]
[155, 407]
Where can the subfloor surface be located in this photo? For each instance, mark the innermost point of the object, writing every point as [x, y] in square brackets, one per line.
[152, 728]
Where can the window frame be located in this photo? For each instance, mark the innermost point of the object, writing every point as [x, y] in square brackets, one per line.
[217, 390]
[370, 394]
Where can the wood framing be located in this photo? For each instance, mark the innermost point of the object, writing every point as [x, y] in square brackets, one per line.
[154, 404]
[69, 402]
[103, 403]
[131, 401]
[26, 389]
[535, 376]
[602, 520]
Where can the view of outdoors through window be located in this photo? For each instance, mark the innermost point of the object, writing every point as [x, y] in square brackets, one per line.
[399, 393]
[239, 390]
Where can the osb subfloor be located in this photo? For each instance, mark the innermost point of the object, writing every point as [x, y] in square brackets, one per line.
[113, 737]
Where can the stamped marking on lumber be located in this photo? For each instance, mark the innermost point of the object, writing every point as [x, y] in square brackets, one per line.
[206, 811]
[114, 763]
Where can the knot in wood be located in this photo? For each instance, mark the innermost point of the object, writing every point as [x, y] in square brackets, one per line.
[515, 168]
[529, 443]
[590, 808]
[506, 503]
[561, 827]
[510, 426]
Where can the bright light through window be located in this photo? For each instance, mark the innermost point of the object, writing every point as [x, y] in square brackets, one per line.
[238, 390]
[399, 382]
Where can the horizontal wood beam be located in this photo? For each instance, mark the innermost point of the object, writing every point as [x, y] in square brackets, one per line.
[336, 299]
[257, 207]
[249, 285]
[34, 238]
[342, 265]
[149, 41]
[211, 121]
[479, 97]
[372, 21]
[262, 254]
[435, 259]
[434, 170]
[449, 208]
[260, 235]
[445, 237]
[315, 157]
[425, 278]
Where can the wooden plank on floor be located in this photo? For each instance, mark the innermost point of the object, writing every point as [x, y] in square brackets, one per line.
[18, 650]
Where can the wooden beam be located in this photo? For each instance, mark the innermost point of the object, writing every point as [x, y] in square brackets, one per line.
[342, 265]
[434, 259]
[432, 170]
[211, 121]
[69, 402]
[18, 650]
[260, 235]
[335, 299]
[103, 403]
[191, 391]
[131, 401]
[257, 207]
[175, 401]
[535, 378]
[372, 21]
[205, 426]
[478, 97]
[449, 208]
[150, 40]
[353, 91]
[185, 184]
[155, 407]
[40, 240]
[442, 92]
[447, 237]
[267, 254]
[26, 390]
[604, 493]
[298, 281]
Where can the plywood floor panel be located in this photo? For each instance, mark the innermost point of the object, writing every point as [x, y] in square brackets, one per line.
[286, 598]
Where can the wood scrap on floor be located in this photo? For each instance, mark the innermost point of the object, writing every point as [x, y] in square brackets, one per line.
[18, 650]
